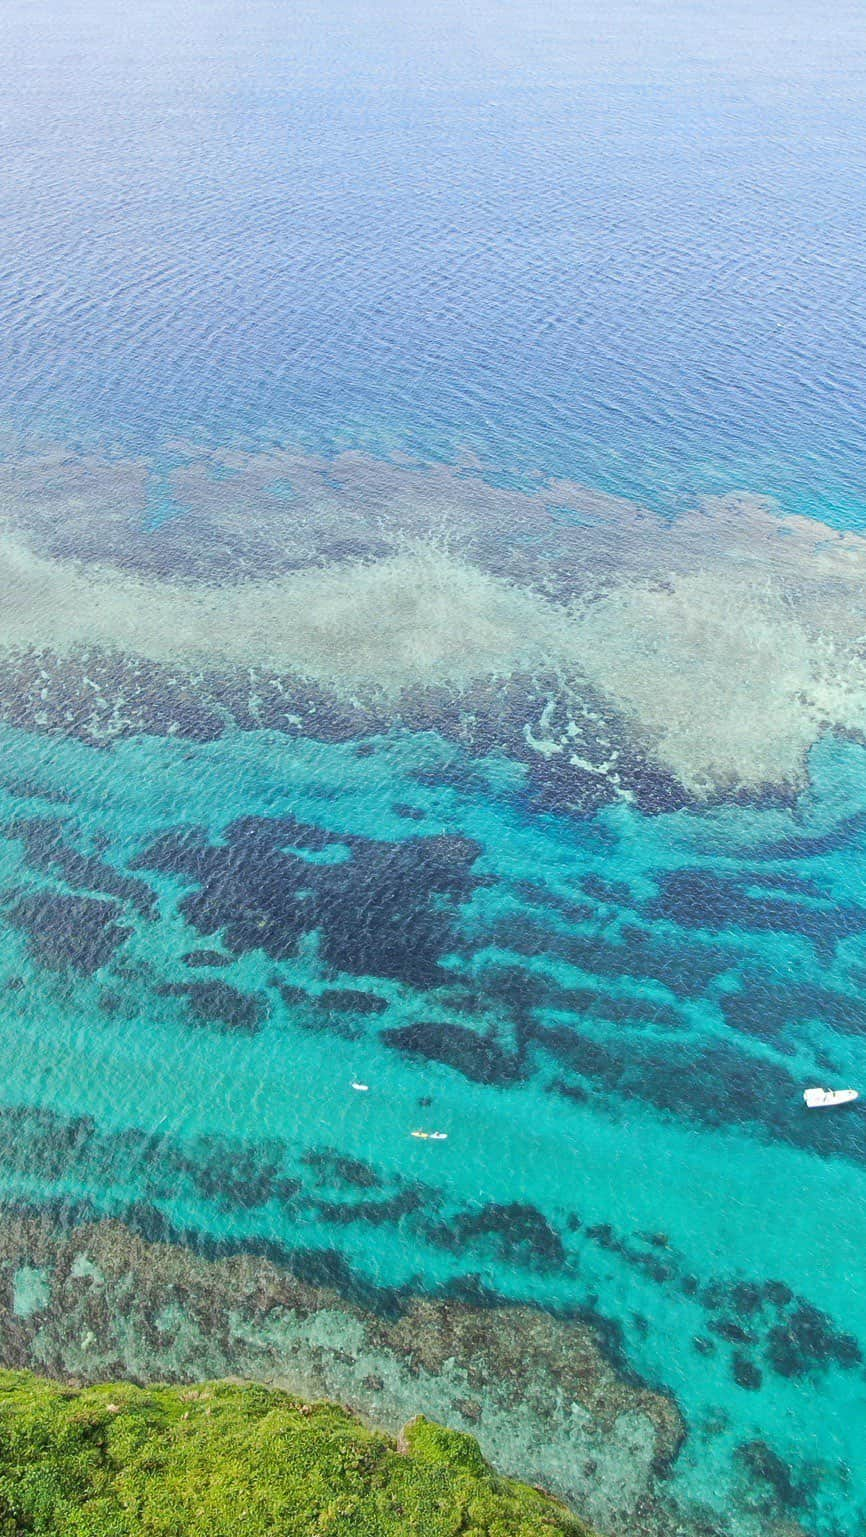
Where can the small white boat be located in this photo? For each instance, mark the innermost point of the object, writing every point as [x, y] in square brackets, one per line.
[430, 1136]
[362, 1088]
[820, 1099]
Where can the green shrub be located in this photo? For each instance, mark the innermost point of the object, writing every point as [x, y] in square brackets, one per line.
[227, 1460]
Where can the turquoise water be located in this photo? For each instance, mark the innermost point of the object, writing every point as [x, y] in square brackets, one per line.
[657, 1116]
[383, 701]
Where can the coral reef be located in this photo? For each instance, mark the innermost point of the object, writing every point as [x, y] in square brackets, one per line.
[617, 653]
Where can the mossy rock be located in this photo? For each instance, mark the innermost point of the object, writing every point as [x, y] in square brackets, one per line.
[232, 1460]
[453, 1449]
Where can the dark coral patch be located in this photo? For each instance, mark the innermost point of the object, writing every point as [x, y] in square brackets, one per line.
[66, 932]
[179, 851]
[732, 1091]
[807, 1338]
[308, 1012]
[43, 1144]
[374, 1213]
[350, 1000]
[198, 958]
[770, 1469]
[31, 789]
[662, 1271]
[151, 1224]
[520, 1234]
[684, 969]
[95, 696]
[572, 1091]
[748, 1297]
[792, 1336]
[385, 912]
[703, 899]
[48, 850]
[236, 1176]
[291, 993]
[380, 908]
[745, 1373]
[766, 1005]
[782, 880]
[218, 1003]
[809, 846]
[514, 988]
[336, 1169]
[330, 1269]
[618, 1008]
[604, 890]
[729, 1329]
[479, 1057]
[584, 1055]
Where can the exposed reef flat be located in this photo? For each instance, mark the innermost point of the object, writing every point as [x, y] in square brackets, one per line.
[616, 652]
[95, 1301]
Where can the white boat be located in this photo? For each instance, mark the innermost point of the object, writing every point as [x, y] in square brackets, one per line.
[820, 1099]
[362, 1088]
[430, 1136]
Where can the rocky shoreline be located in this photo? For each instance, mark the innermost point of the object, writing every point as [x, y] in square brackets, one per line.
[117, 1460]
[93, 1302]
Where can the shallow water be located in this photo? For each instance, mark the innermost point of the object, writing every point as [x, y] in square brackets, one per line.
[358, 722]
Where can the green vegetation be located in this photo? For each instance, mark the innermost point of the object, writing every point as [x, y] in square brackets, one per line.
[229, 1460]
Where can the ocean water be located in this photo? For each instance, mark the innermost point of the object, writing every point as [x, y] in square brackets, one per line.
[431, 658]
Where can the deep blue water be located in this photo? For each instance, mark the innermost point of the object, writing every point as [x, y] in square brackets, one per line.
[622, 246]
